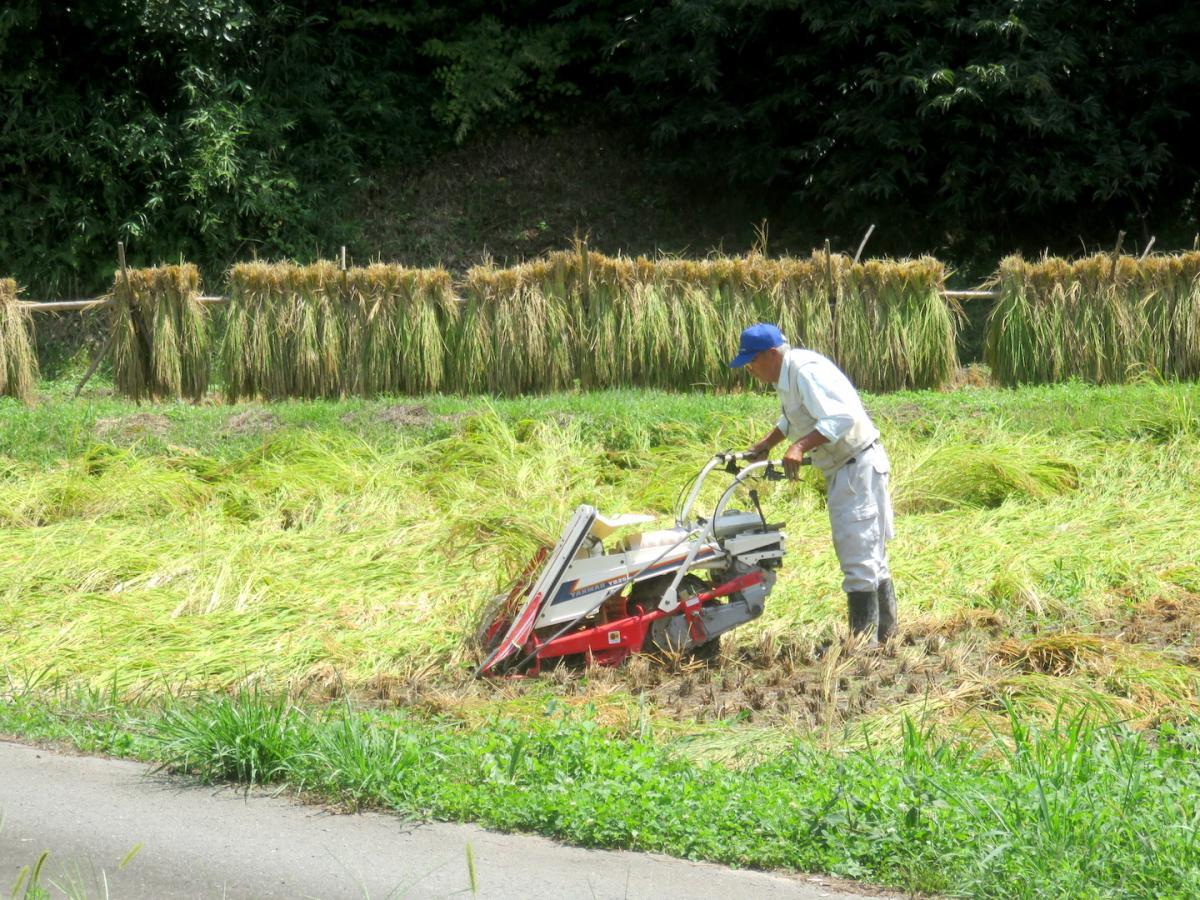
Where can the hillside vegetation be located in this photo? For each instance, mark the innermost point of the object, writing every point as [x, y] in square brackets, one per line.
[221, 129]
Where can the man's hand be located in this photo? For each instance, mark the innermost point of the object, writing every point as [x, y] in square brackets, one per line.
[793, 460]
[756, 453]
[759, 451]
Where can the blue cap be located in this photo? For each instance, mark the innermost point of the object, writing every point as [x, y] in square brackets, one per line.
[755, 340]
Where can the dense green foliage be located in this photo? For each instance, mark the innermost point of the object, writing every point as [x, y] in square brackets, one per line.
[997, 125]
[201, 129]
[213, 128]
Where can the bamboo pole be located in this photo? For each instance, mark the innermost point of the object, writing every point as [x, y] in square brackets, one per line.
[866, 237]
[35, 306]
[95, 303]
[971, 295]
[112, 332]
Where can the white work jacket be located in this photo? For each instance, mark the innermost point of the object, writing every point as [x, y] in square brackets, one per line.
[815, 395]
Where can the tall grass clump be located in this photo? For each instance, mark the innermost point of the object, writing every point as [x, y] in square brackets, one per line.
[397, 327]
[737, 292]
[797, 297]
[894, 329]
[18, 362]
[160, 333]
[624, 321]
[1103, 319]
[961, 474]
[286, 332]
[1022, 343]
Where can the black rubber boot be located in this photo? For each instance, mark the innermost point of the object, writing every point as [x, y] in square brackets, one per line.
[864, 613]
[886, 592]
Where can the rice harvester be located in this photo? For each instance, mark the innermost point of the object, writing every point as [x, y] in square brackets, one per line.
[671, 590]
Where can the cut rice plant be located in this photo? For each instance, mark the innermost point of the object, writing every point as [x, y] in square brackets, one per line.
[160, 334]
[286, 332]
[318, 554]
[395, 333]
[1102, 319]
[798, 299]
[672, 323]
[960, 474]
[311, 331]
[635, 329]
[894, 329]
[516, 331]
[18, 362]
[1168, 287]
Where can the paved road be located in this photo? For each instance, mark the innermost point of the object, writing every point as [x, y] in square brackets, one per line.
[222, 842]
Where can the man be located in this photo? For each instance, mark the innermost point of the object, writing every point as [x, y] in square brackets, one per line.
[824, 418]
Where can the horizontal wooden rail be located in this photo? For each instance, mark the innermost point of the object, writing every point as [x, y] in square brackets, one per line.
[99, 302]
[59, 305]
[94, 303]
[971, 295]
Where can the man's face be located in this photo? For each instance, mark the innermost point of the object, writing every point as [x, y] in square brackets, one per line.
[762, 366]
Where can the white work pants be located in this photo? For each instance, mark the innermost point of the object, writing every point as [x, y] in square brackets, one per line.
[860, 514]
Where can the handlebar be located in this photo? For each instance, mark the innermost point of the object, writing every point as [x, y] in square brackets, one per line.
[727, 456]
[773, 470]
[731, 459]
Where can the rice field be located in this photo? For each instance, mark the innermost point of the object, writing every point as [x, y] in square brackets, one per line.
[1046, 554]
[281, 593]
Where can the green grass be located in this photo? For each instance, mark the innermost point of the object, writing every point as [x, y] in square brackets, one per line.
[1073, 809]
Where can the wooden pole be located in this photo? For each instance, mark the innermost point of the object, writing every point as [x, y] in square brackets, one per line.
[63, 305]
[1146, 252]
[1116, 254]
[95, 363]
[970, 295]
[215, 300]
[866, 237]
[585, 278]
[34, 306]
[833, 309]
[112, 334]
